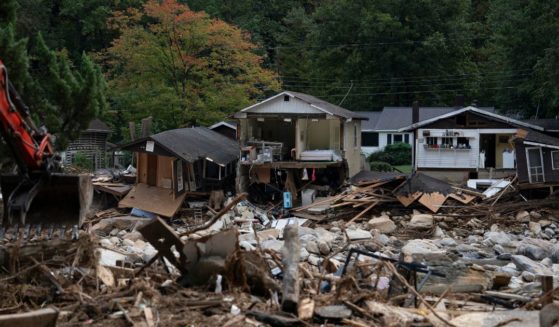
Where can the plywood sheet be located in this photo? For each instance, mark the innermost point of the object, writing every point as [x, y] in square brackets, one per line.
[432, 201]
[153, 199]
[406, 200]
[464, 198]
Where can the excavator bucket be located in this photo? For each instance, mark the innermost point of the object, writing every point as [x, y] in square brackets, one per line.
[49, 200]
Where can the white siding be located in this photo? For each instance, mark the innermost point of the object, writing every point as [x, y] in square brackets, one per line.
[383, 142]
[278, 105]
[448, 158]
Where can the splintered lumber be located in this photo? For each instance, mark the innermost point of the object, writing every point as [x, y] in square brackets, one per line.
[290, 259]
[223, 211]
[464, 198]
[306, 309]
[362, 212]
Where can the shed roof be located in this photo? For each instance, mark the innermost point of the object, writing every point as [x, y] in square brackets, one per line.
[537, 138]
[97, 125]
[314, 102]
[192, 144]
[479, 111]
[230, 124]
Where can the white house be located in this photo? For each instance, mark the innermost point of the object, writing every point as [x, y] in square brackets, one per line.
[460, 144]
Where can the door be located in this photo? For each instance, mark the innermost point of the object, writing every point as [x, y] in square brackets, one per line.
[152, 170]
[535, 165]
[487, 144]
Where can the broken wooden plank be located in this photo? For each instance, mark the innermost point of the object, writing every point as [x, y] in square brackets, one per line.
[40, 318]
[306, 309]
[406, 200]
[463, 198]
[157, 200]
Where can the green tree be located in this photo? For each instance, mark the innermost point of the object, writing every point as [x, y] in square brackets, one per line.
[181, 67]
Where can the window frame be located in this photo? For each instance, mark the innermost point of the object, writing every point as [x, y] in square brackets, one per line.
[365, 136]
[553, 167]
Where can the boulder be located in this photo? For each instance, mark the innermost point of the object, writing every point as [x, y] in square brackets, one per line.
[524, 263]
[312, 247]
[531, 251]
[383, 224]
[501, 238]
[535, 228]
[323, 247]
[555, 253]
[421, 221]
[535, 214]
[447, 242]
[423, 250]
[523, 216]
[358, 234]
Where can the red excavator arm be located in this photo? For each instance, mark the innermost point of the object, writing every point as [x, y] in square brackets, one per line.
[37, 194]
[30, 146]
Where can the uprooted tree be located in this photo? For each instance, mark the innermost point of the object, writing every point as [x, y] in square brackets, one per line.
[180, 66]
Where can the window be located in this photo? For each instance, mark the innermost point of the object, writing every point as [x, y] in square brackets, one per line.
[431, 142]
[535, 165]
[398, 138]
[555, 160]
[463, 143]
[388, 138]
[286, 98]
[407, 138]
[446, 142]
[369, 139]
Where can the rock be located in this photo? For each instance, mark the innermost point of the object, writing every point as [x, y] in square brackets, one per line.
[115, 240]
[105, 242]
[535, 214]
[382, 239]
[547, 262]
[312, 247]
[359, 234]
[501, 238]
[535, 228]
[314, 260]
[510, 318]
[148, 253]
[323, 247]
[335, 229]
[383, 224]
[528, 276]
[531, 251]
[127, 243]
[526, 264]
[324, 235]
[544, 223]
[504, 256]
[423, 250]
[134, 236]
[499, 249]
[421, 221]
[333, 312]
[304, 255]
[274, 245]
[447, 241]
[555, 253]
[523, 216]
[114, 232]
[501, 279]
[509, 269]
[549, 232]
[439, 233]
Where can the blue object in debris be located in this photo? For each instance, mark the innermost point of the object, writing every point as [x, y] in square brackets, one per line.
[287, 201]
[141, 213]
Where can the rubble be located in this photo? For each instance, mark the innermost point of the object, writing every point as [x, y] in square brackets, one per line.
[374, 255]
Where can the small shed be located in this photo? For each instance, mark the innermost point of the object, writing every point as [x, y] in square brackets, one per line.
[174, 162]
[92, 144]
[227, 128]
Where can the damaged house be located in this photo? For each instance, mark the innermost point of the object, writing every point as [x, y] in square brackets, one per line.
[294, 136]
[174, 162]
[468, 143]
[91, 144]
[537, 159]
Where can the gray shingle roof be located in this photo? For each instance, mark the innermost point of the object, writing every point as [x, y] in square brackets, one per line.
[370, 124]
[97, 125]
[191, 144]
[538, 137]
[549, 124]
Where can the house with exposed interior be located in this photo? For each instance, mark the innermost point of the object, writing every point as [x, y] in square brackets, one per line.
[537, 160]
[383, 127]
[467, 143]
[92, 144]
[292, 135]
[172, 163]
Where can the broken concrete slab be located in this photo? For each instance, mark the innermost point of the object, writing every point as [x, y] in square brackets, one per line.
[424, 250]
[515, 318]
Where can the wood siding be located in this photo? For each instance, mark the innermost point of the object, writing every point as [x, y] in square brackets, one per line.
[550, 174]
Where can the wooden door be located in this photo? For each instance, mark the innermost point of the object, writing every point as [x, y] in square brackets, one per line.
[152, 170]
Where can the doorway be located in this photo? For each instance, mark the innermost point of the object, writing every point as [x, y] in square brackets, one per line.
[487, 144]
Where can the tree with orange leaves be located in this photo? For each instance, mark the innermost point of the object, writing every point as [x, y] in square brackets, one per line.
[181, 67]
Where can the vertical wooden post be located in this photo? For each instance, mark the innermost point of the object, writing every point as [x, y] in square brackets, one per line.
[290, 258]
[547, 286]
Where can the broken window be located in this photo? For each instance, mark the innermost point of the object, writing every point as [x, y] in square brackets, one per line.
[555, 160]
[369, 139]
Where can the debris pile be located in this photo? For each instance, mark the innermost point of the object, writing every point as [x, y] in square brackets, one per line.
[389, 250]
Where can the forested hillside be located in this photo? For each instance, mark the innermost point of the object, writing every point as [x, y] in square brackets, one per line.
[194, 62]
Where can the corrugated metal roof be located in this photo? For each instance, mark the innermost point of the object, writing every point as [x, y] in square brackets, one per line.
[327, 106]
[317, 104]
[191, 144]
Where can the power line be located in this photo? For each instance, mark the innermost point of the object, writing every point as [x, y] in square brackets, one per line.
[415, 92]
